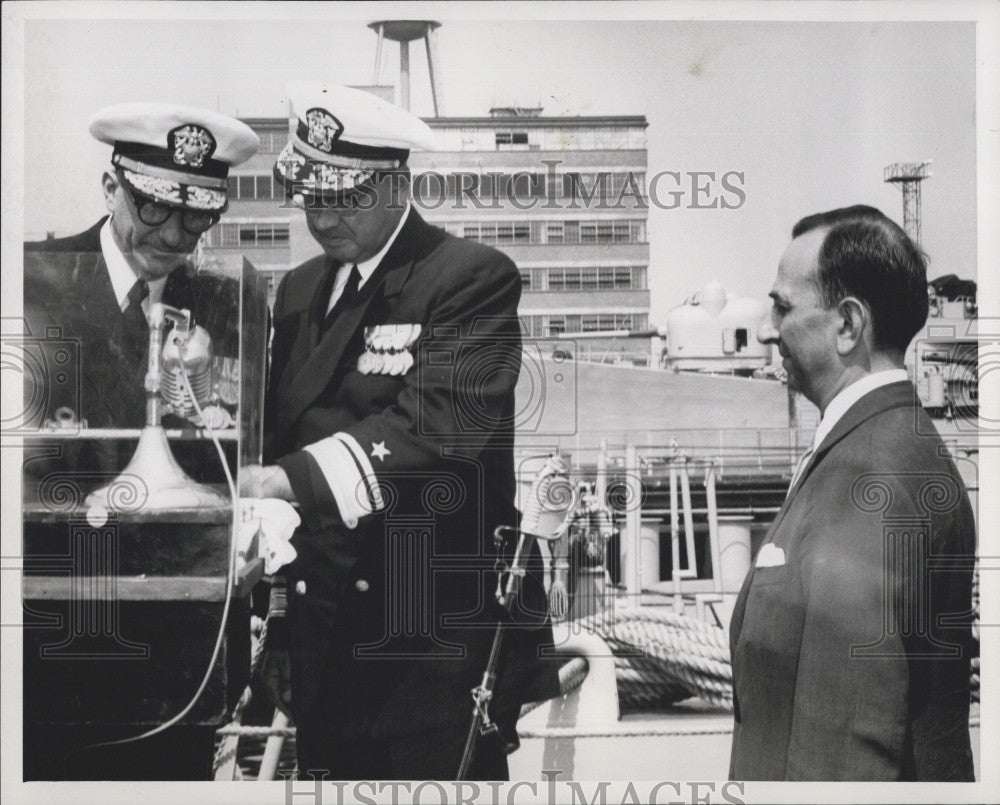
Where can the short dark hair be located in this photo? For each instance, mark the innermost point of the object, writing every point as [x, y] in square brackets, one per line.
[867, 255]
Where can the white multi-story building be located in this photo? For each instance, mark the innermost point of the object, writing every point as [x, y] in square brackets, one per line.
[564, 197]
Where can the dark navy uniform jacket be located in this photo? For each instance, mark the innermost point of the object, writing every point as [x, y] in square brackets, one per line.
[67, 287]
[392, 619]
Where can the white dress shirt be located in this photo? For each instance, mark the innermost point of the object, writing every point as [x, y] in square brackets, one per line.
[840, 405]
[121, 273]
[849, 395]
[366, 267]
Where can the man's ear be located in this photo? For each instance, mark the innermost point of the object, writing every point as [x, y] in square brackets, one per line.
[109, 184]
[855, 325]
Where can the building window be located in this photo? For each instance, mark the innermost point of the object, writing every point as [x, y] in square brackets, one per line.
[509, 139]
[504, 233]
[592, 187]
[554, 232]
[270, 234]
[226, 236]
[248, 236]
[533, 325]
[602, 231]
[605, 322]
[492, 189]
[524, 186]
[271, 140]
[557, 279]
[525, 279]
[556, 325]
[598, 278]
[254, 187]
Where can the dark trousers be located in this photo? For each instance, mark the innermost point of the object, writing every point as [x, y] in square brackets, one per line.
[429, 756]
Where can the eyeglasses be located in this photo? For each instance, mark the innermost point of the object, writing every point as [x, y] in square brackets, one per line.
[153, 213]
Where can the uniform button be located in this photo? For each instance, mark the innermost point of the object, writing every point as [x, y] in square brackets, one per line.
[300, 587]
[361, 586]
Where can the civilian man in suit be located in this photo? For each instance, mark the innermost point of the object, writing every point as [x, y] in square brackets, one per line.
[850, 639]
[165, 187]
[390, 417]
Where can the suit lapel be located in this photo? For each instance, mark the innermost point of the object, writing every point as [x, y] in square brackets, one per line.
[312, 375]
[323, 360]
[123, 397]
[82, 301]
[102, 321]
[882, 399]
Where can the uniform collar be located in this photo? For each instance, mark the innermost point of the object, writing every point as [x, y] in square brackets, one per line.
[848, 396]
[121, 273]
[367, 267]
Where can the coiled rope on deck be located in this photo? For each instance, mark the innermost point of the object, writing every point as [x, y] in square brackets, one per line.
[665, 657]
[660, 655]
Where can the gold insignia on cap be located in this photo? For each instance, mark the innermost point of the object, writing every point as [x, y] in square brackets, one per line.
[202, 198]
[324, 129]
[192, 144]
[154, 186]
[289, 160]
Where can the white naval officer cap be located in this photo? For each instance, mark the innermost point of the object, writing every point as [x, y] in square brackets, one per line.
[342, 137]
[177, 155]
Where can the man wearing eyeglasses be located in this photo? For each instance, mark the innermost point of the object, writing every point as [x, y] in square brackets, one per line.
[166, 186]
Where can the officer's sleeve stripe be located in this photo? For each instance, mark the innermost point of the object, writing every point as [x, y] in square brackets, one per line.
[341, 474]
[365, 468]
[350, 476]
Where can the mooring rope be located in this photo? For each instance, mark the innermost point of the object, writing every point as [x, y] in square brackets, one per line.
[622, 731]
[664, 656]
[660, 656]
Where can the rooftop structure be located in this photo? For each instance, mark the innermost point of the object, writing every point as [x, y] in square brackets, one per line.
[909, 175]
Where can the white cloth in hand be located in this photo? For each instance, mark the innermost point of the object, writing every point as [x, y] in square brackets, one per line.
[273, 522]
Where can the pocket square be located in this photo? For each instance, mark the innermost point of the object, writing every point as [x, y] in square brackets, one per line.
[770, 555]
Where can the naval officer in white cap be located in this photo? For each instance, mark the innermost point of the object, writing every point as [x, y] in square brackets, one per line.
[166, 185]
[390, 418]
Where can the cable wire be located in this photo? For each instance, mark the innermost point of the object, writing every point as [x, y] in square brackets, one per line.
[230, 580]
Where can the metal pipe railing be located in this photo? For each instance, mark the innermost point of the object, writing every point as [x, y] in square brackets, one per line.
[713, 530]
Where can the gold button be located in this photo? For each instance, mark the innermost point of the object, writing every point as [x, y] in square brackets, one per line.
[300, 587]
[361, 586]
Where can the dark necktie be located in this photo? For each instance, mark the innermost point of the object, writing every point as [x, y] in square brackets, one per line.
[345, 300]
[800, 467]
[136, 325]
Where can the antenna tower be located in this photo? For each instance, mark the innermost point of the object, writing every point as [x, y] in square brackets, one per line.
[909, 175]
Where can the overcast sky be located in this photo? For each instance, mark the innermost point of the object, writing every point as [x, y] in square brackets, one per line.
[810, 112]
